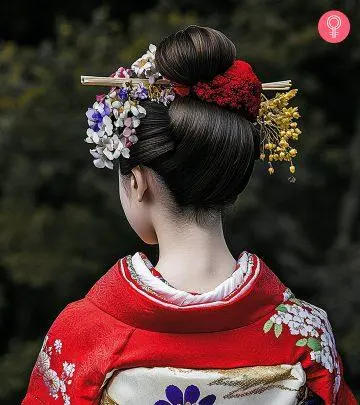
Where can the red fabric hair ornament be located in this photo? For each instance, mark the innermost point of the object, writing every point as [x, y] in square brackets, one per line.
[237, 88]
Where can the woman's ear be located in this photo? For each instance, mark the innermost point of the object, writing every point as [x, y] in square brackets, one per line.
[139, 182]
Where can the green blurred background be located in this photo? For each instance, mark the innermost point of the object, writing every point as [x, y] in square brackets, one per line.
[61, 222]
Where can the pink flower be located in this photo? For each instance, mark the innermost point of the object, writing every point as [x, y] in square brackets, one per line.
[100, 98]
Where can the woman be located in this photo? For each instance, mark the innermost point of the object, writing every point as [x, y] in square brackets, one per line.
[200, 327]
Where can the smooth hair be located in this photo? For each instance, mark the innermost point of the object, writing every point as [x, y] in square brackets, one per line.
[204, 154]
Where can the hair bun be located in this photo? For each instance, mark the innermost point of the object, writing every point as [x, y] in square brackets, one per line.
[203, 152]
[203, 60]
[194, 54]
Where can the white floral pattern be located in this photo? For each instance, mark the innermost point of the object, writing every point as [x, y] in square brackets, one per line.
[56, 384]
[58, 345]
[312, 324]
[287, 294]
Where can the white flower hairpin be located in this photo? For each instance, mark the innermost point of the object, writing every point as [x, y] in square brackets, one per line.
[114, 117]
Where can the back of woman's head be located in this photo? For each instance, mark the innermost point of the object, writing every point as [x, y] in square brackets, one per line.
[202, 152]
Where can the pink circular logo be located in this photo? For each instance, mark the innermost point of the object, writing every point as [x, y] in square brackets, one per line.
[334, 26]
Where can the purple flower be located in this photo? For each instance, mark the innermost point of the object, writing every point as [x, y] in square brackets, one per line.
[166, 96]
[141, 92]
[168, 99]
[175, 396]
[123, 94]
[96, 114]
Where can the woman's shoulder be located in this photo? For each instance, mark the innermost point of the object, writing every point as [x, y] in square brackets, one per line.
[307, 328]
[77, 351]
[304, 320]
[82, 326]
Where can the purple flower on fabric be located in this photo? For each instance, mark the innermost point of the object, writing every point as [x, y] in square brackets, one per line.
[96, 114]
[191, 395]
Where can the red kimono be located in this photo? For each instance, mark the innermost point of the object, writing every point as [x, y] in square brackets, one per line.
[134, 339]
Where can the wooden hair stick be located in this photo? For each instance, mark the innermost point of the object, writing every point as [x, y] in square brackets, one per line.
[116, 81]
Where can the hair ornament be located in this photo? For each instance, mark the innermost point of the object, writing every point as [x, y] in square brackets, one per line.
[278, 129]
[114, 117]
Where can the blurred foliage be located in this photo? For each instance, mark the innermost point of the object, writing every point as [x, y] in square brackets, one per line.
[61, 224]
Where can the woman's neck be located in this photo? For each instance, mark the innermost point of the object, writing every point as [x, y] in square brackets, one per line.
[193, 258]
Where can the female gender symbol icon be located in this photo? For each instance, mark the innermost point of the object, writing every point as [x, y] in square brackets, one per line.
[334, 26]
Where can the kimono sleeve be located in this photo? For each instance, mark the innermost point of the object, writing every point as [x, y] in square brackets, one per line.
[325, 373]
[83, 344]
[51, 377]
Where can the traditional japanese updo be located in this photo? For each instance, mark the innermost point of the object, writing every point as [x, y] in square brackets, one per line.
[203, 153]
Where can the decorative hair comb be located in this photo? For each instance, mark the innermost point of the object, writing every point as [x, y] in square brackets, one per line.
[114, 117]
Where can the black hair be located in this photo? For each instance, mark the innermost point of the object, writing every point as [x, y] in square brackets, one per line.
[203, 153]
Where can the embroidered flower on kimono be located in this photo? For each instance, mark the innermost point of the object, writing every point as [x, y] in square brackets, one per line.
[299, 313]
[287, 294]
[66, 399]
[175, 396]
[277, 319]
[69, 368]
[43, 362]
[52, 380]
[57, 384]
[337, 384]
[313, 320]
[58, 345]
[294, 327]
[312, 323]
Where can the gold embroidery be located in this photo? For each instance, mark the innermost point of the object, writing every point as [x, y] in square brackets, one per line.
[136, 277]
[246, 381]
[254, 380]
